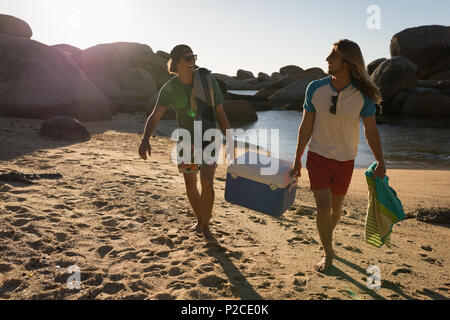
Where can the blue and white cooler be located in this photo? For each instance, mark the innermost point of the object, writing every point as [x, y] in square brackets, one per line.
[261, 183]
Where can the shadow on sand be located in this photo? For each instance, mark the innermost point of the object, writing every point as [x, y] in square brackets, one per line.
[240, 285]
[334, 271]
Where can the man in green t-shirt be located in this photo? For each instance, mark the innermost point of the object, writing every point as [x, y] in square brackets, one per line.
[177, 93]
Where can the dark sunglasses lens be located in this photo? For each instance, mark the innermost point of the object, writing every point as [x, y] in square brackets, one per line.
[190, 58]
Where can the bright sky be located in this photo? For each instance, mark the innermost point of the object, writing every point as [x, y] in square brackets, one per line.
[227, 35]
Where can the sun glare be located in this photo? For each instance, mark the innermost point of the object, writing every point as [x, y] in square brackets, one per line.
[87, 23]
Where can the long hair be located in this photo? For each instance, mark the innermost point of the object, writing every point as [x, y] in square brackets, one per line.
[352, 54]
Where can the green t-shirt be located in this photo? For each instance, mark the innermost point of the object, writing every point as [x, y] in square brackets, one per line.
[177, 95]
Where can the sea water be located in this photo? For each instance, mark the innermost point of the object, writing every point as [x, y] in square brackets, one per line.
[419, 143]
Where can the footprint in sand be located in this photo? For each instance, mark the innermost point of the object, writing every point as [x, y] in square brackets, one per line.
[212, 281]
[177, 285]
[433, 261]
[20, 222]
[112, 222]
[60, 237]
[16, 209]
[352, 248]
[112, 287]
[401, 271]
[258, 220]
[104, 250]
[140, 285]
[163, 240]
[176, 271]
[164, 296]
[155, 267]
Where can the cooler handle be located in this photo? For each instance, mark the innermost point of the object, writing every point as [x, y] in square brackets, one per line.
[293, 184]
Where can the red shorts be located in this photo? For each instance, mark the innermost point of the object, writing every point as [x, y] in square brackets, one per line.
[327, 173]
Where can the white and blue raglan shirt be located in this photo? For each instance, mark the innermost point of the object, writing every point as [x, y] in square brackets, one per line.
[336, 136]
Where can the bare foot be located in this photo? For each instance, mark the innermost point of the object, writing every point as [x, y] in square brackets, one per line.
[207, 234]
[324, 264]
[196, 227]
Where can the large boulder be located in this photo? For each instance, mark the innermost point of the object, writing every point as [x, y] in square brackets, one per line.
[14, 26]
[263, 77]
[276, 76]
[286, 81]
[290, 70]
[129, 89]
[426, 102]
[235, 84]
[437, 67]
[38, 81]
[71, 51]
[443, 75]
[374, 64]
[239, 111]
[394, 76]
[163, 55]
[129, 74]
[295, 92]
[398, 102]
[422, 45]
[129, 54]
[64, 128]
[220, 76]
[243, 74]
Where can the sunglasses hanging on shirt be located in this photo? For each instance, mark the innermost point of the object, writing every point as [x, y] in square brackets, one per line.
[333, 107]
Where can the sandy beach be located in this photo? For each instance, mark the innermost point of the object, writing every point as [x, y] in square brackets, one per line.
[125, 223]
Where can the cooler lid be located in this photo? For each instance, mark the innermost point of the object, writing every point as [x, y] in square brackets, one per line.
[262, 169]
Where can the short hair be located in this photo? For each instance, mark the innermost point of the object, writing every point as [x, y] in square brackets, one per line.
[175, 56]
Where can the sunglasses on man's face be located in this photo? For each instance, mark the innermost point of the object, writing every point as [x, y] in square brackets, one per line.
[190, 58]
[334, 100]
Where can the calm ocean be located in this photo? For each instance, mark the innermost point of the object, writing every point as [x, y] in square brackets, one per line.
[407, 143]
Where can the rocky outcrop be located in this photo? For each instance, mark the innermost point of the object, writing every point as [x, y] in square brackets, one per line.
[127, 54]
[38, 81]
[263, 77]
[394, 76]
[290, 70]
[220, 76]
[71, 51]
[243, 75]
[443, 75]
[239, 111]
[374, 64]
[129, 74]
[129, 89]
[439, 66]
[235, 84]
[286, 81]
[426, 102]
[422, 45]
[295, 92]
[14, 27]
[163, 55]
[64, 128]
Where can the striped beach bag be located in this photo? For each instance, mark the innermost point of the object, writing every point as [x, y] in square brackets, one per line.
[383, 211]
